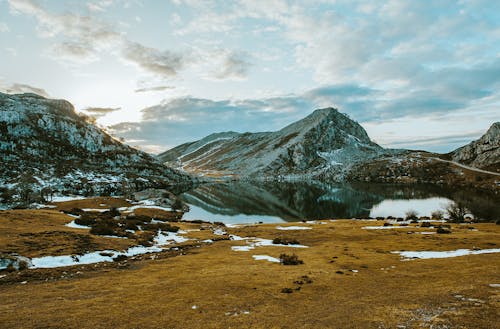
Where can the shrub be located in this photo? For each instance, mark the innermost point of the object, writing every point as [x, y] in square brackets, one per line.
[411, 215]
[442, 230]
[280, 240]
[86, 220]
[120, 258]
[286, 290]
[425, 224]
[457, 212]
[290, 259]
[74, 211]
[103, 228]
[113, 212]
[437, 215]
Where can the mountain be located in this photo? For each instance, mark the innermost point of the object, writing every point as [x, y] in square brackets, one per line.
[483, 153]
[326, 141]
[44, 143]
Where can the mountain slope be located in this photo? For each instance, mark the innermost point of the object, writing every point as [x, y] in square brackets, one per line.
[45, 143]
[483, 153]
[326, 140]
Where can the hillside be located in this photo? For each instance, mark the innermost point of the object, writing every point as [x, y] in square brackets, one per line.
[324, 141]
[45, 144]
[483, 153]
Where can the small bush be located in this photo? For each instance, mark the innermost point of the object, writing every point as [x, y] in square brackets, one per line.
[442, 230]
[437, 215]
[280, 240]
[411, 214]
[457, 212]
[113, 212]
[120, 258]
[388, 224]
[425, 224]
[290, 259]
[86, 220]
[286, 290]
[74, 211]
[103, 228]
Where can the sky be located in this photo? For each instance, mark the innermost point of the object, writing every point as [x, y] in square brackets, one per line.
[415, 74]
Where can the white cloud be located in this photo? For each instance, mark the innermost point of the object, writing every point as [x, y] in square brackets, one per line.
[4, 27]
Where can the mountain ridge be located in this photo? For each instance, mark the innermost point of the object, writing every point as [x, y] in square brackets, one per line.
[44, 144]
[310, 146]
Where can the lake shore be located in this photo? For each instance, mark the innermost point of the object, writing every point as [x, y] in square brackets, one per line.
[352, 276]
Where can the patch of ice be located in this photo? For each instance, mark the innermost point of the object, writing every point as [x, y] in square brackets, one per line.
[443, 254]
[292, 228]
[242, 248]
[236, 237]
[95, 209]
[208, 241]
[265, 257]
[64, 198]
[425, 233]
[163, 238]
[219, 231]
[72, 224]
[494, 285]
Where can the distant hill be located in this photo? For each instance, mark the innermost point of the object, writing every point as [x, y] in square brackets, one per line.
[44, 143]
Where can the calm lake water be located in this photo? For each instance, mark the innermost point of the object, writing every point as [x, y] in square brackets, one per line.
[272, 202]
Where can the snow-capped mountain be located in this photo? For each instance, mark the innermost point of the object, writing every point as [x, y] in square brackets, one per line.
[44, 143]
[483, 153]
[325, 142]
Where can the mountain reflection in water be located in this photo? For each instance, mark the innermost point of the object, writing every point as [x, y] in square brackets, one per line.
[244, 201]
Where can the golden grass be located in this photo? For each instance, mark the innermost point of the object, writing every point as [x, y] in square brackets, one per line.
[214, 287]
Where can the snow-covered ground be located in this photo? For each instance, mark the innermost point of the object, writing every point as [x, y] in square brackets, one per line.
[443, 254]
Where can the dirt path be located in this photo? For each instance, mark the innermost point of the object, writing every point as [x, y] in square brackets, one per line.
[468, 167]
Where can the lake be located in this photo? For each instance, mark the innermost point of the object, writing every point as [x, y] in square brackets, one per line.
[273, 202]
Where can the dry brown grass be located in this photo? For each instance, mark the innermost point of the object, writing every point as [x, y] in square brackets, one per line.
[386, 291]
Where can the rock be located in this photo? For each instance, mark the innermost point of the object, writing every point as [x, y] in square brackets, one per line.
[482, 153]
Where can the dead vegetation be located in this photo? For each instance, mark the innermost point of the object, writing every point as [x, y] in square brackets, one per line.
[363, 285]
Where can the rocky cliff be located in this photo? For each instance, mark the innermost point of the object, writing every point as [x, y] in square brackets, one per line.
[483, 153]
[45, 144]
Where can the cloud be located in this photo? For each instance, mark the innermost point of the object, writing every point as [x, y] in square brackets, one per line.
[98, 112]
[156, 88]
[233, 65]
[19, 88]
[4, 27]
[85, 38]
[163, 63]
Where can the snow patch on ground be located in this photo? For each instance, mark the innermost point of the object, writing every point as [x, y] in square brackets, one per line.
[72, 224]
[265, 257]
[64, 198]
[252, 243]
[292, 228]
[162, 238]
[443, 254]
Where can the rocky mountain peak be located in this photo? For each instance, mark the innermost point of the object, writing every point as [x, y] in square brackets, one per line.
[482, 153]
[323, 139]
[48, 141]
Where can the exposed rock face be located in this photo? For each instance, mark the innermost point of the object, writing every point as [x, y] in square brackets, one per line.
[482, 153]
[326, 141]
[44, 143]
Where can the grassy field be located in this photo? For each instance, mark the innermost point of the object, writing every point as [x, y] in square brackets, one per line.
[349, 278]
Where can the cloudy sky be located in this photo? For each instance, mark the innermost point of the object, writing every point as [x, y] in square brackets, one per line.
[415, 74]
